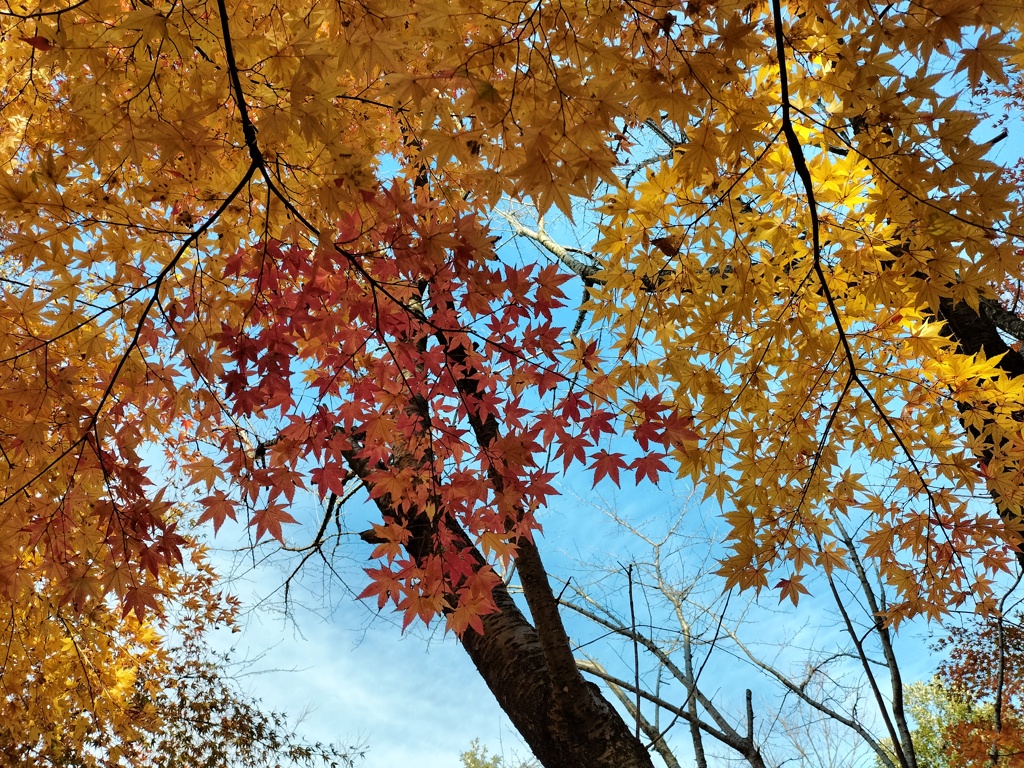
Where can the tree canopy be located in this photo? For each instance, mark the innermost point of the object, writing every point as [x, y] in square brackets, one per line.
[264, 238]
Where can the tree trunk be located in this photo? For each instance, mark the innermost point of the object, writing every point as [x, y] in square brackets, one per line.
[976, 332]
[564, 729]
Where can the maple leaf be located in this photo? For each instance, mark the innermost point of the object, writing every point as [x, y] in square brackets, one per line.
[206, 470]
[650, 465]
[390, 540]
[608, 465]
[583, 354]
[141, 600]
[986, 58]
[329, 478]
[792, 588]
[385, 584]
[647, 432]
[676, 430]
[270, 520]
[82, 591]
[599, 422]
[218, 508]
[573, 448]
[38, 42]
[831, 557]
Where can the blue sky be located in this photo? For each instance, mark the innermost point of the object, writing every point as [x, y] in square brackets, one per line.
[351, 676]
[411, 700]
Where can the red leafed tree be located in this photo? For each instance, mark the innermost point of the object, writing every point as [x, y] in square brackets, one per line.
[986, 666]
[433, 381]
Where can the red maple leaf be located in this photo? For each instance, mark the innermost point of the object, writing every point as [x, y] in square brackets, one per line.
[607, 464]
[269, 520]
[649, 465]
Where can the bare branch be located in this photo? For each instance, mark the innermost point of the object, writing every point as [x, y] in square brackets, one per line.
[730, 738]
[801, 692]
[542, 238]
[1005, 320]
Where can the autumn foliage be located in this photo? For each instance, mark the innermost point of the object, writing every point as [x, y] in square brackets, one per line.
[265, 238]
[98, 688]
[984, 667]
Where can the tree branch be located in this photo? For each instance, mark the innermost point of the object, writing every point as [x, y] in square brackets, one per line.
[729, 738]
[542, 238]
